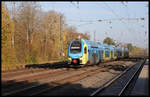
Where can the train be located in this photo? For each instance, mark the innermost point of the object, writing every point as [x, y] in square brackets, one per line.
[81, 51]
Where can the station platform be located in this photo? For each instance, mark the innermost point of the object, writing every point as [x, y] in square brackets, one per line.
[141, 87]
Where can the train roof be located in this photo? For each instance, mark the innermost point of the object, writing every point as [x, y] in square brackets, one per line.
[111, 47]
[91, 44]
[101, 46]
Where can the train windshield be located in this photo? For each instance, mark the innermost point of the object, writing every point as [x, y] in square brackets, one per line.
[75, 47]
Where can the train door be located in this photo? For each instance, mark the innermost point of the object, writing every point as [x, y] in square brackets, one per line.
[115, 54]
[107, 54]
[91, 58]
[86, 53]
[112, 54]
[103, 55]
[94, 56]
[100, 55]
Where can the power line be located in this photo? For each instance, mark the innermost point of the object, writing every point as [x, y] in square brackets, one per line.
[134, 13]
[94, 36]
[124, 4]
[85, 24]
[115, 14]
[119, 16]
[101, 20]
[77, 6]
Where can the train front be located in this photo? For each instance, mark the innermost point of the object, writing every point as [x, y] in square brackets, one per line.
[78, 52]
[75, 52]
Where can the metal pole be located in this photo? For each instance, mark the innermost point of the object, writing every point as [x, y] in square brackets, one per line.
[13, 36]
[94, 36]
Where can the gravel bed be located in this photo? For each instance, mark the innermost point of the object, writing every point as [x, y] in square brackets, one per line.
[47, 80]
[82, 87]
[87, 85]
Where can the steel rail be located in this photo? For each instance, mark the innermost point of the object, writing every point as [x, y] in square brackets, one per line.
[130, 80]
[39, 85]
[110, 81]
[78, 79]
[48, 81]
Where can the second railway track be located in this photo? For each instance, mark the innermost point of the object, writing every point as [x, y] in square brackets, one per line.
[118, 85]
[73, 76]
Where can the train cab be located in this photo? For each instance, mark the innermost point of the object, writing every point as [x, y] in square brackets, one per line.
[82, 51]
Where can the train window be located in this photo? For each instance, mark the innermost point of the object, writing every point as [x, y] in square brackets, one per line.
[75, 47]
[111, 53]
[115, 53]
[102, 52]
[85, 50]
[107, 53]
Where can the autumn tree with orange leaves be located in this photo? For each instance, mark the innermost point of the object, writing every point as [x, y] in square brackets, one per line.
[33, 36]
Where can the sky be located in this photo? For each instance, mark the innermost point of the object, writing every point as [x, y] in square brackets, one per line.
[85, 15]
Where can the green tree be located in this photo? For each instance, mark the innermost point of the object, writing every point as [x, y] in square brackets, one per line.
[129, 46]
[108, 40]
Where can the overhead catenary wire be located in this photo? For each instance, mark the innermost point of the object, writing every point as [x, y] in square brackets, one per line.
[87, 22]
[101, 20]
[116, 15]
[140, 25]
[126, 5]
[119, 16]
[77, 6]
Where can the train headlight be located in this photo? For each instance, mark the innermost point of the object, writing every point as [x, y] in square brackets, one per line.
[74, 61]
[69, 58]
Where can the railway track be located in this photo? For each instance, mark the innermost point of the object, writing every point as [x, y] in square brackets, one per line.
[20, 72]
[72, 78]
[118, 86]
[41, 81]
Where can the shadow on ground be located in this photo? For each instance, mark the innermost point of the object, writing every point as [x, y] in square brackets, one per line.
[55, 89]
[62, 89]
[116, 67]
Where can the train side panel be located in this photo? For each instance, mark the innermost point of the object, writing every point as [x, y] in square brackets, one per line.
[93, 52]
